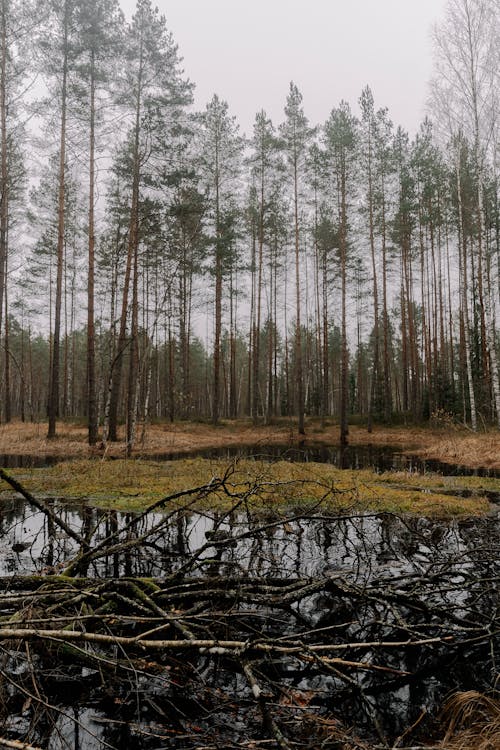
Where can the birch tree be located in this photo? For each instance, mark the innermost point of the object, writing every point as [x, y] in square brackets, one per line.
[465, 95]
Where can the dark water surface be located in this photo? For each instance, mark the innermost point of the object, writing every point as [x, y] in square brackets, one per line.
[365, 551]
[301, 547]
[371, 550]
[380, 459]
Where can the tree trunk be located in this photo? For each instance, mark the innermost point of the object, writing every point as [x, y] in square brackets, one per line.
[4, 187]
[8, 394]
[464, 301]
[218, 294]
[376, 328]
[91, 378]
[344, 366]
[53, 405]
[133, 240]
[385, 315]
[133, 385]
[298, 325]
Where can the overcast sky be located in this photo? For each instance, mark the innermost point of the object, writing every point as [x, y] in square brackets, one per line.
[248, 51]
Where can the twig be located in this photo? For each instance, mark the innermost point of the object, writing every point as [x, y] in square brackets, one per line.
[44, 508]
[17, 745]
[210, 646]
[262, 697]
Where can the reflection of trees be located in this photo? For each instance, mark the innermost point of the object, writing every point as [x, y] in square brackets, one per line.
[223, 626]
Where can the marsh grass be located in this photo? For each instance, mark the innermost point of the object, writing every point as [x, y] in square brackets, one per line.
[134, 484]
[473, 721]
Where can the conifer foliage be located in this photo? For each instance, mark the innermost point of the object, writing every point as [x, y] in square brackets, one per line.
[163, 266]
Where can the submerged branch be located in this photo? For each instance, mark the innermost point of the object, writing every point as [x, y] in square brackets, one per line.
[302, 638]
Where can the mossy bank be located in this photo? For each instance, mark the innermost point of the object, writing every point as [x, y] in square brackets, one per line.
[135, 484]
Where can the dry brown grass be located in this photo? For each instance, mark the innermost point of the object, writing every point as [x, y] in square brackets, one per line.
[71, 440]
[482, 449]
[456, 446]
[31, 439]
[473, 722]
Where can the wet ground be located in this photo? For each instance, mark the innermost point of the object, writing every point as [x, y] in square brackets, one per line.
[376, 578]
[386, 458]
[445, 562]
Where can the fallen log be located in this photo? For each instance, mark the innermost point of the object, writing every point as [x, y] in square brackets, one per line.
[333, 639]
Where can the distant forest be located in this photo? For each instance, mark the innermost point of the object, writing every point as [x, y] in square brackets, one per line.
[154, 264]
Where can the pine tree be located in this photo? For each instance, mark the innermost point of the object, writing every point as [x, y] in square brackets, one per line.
[263, 161]
[57, 47]
[341, 133]
[15, 55]
[368, 128]
[100, 28]
[219, 162]
[153, 92]
[296, 134]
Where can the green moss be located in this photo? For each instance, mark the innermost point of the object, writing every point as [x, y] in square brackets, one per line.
[135, 484]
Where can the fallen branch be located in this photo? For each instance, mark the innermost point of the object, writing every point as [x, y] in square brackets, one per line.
[168, 620]
[17, 745]
[44, 508]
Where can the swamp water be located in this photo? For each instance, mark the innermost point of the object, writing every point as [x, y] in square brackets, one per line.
[380, 578]
[450, 568]
[380, 459]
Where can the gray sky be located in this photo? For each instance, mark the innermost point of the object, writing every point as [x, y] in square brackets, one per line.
[248, 51]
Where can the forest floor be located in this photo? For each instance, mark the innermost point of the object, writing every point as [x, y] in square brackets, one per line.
[133, 485]
[239, 592]
[453, 445]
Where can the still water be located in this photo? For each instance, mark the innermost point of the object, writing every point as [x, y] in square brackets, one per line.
[380, 459]
[445, 560]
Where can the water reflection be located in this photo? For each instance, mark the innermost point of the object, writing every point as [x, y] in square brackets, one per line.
[453, 566]
[358, 545]
[377, 458]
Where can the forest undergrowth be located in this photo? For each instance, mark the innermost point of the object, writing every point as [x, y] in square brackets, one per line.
[207, 619]
[453, 445]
